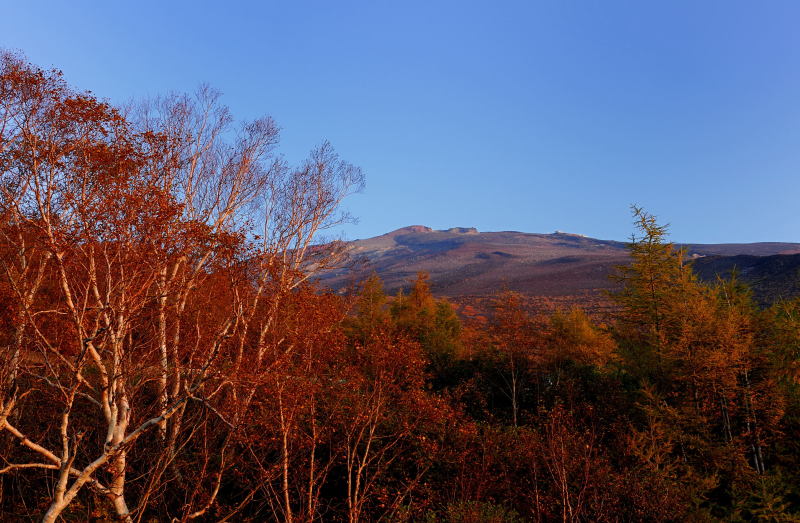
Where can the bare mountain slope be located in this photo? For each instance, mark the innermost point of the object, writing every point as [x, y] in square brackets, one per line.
[464, 262]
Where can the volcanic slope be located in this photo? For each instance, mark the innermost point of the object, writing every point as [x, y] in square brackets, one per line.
[464, 262]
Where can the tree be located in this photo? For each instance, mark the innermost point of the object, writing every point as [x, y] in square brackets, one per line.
[125, 224]
[511, 332]
[573, 337]
[655, 286]
[371, 313]
[432, 322]
[694, 350]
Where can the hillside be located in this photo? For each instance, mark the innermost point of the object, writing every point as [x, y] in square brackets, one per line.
[771, 278]
[463, 262]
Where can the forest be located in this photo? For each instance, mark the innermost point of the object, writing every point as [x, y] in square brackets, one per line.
[167, 356]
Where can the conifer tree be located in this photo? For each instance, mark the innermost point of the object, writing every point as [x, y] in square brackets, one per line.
[430, 321]
[656, 285]
[371, 311]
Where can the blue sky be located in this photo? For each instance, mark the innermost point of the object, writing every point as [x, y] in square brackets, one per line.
[530, 116]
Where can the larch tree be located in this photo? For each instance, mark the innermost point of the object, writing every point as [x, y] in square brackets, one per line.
[694, 349]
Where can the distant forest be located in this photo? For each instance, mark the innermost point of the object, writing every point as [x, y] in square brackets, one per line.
[166, 355]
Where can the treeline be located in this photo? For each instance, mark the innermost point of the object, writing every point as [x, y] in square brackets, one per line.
[165, 356]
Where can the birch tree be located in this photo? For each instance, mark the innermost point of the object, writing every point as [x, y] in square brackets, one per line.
[125, 219]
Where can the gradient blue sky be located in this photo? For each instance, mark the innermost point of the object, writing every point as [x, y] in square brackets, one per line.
[530, 116]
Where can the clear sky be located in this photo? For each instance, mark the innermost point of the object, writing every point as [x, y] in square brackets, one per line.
[530, 116]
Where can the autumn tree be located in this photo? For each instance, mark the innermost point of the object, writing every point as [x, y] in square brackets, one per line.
[371, 309]
[431, 321]
[694, 349]
[656, 282]
[512, 335]
[127, 221]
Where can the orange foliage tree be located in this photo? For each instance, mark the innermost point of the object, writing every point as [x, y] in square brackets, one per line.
[113, 227]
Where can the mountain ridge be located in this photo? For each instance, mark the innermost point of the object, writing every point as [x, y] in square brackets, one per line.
[463, 261]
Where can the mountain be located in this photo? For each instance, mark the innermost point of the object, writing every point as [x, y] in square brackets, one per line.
[771, 278]
[463, 262]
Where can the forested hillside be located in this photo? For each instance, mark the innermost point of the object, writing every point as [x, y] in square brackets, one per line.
[167, 356]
